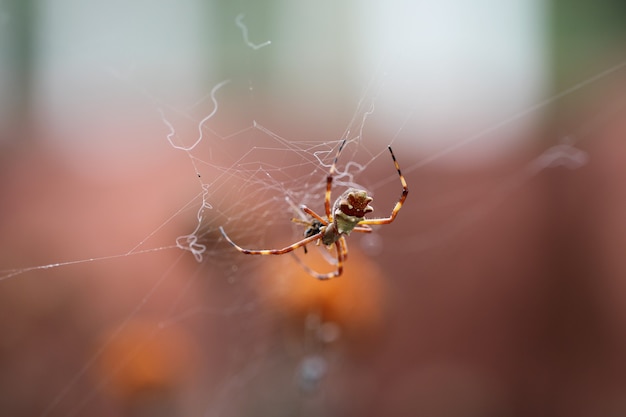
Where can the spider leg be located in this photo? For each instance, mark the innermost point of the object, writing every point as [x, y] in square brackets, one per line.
[329, 182]
[300, 221]
[344, 248]
[338, 270]
[363, 229]
[304, 223]
[313, 214]
[398, 206]
[271, 251]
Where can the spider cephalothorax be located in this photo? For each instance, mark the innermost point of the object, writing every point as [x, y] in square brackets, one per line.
[347, 215]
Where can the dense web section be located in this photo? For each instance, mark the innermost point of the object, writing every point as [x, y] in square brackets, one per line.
[251, 180]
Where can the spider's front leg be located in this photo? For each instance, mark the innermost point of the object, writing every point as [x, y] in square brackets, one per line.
[284, 250]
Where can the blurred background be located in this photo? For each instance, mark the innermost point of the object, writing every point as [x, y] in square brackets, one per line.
[500, 289]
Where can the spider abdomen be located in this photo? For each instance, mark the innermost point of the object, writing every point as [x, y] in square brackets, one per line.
[354, 203]
[349, 209]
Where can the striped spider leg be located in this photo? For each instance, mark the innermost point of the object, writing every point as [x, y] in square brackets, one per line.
[346, 215]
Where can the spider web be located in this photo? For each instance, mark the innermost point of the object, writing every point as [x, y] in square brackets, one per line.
[129, 301]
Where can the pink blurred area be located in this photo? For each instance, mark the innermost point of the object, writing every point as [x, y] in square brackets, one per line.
[499, 290]
[70, 322]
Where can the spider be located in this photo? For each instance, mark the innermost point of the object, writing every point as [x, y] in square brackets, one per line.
[347, 215]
